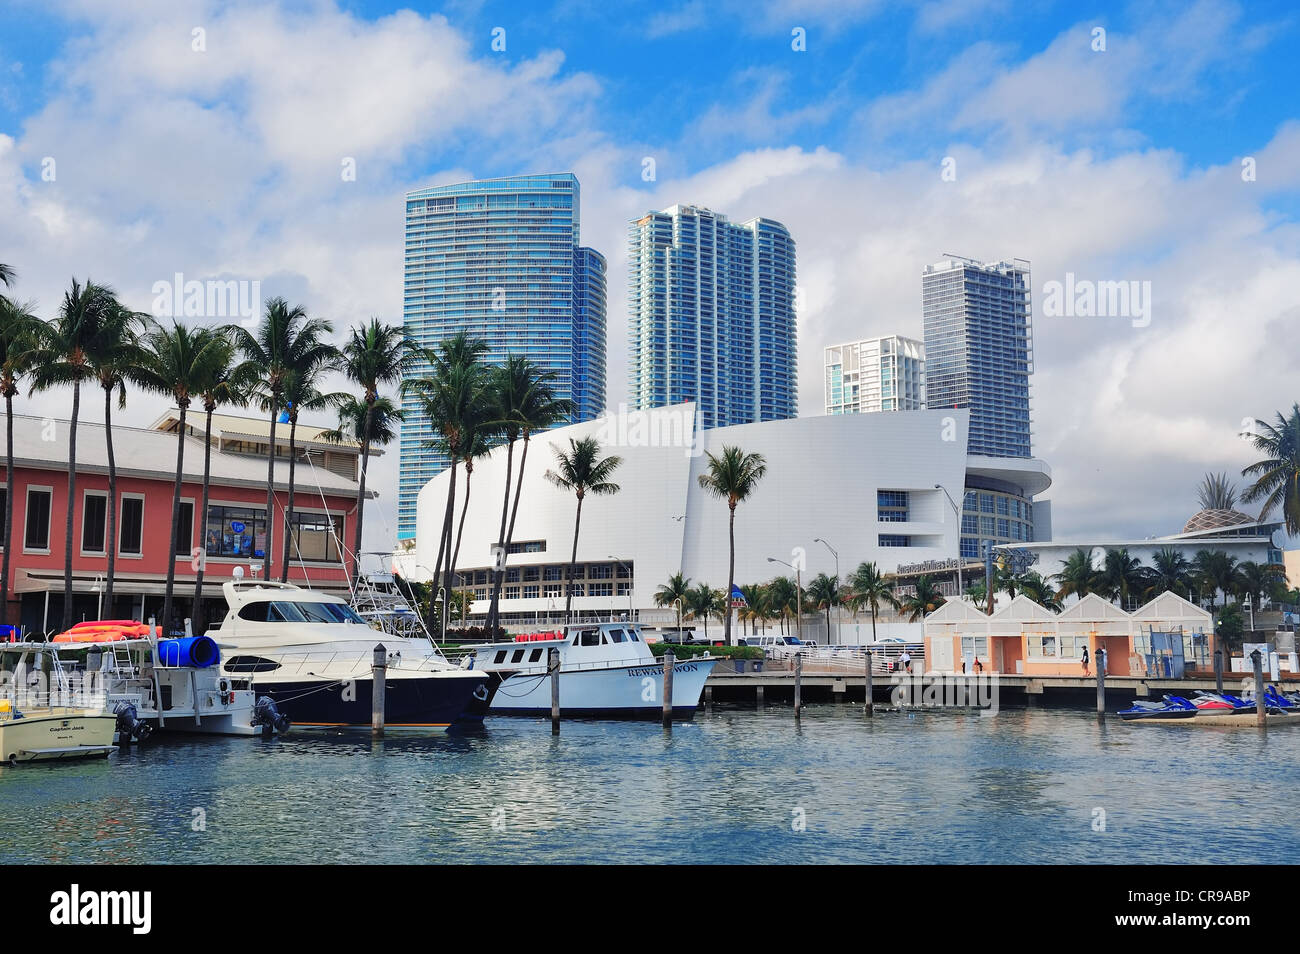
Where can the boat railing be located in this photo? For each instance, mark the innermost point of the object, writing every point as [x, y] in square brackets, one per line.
[834, 660]
[353, 662]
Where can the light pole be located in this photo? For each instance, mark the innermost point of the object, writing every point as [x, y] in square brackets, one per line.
[678, 603]
[836, 596]
[798, 596]
[628, 567]
[1250, 609]
[956, 511]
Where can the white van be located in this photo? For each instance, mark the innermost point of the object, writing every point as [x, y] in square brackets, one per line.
[769, 644]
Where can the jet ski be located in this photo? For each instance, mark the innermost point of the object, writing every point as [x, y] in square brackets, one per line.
[1170, 707]
[1221, 703]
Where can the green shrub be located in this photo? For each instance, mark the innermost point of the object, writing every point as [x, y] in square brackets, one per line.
[688, 652]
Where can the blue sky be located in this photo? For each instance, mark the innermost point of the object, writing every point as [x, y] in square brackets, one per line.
[1122, 164]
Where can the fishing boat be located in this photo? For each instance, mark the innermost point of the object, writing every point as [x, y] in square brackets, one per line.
[606, 670]
[54, 732]
[312, 654]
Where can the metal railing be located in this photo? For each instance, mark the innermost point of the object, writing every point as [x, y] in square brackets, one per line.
[836, 661]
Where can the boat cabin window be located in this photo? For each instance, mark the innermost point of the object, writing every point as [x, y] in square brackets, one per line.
[587, 637]
[250, 664]
[500, 657]
[631, 634]
[517, 655]
[285, 611]
[616, 635]
[535, 655]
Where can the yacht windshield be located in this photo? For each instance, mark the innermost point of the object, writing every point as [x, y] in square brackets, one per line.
[286, 611]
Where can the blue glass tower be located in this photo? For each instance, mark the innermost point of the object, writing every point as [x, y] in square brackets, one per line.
[979, 349]
[500, 259]
[711, 316]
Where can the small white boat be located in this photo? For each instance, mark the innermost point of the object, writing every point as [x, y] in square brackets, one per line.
[59, 732]
[606, 670]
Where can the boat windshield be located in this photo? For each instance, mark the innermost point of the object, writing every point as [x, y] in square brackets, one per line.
[293, 611]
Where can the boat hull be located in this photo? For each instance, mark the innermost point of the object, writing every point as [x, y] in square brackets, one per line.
[420, 703]
[624, 692]
[43, 736]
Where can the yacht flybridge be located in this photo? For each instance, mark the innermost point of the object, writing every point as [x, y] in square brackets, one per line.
[312, 653]
[606, 669]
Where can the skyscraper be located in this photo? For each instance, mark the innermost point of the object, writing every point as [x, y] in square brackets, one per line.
[711, 316]
[500, 259]
[875, 374]
[979, 349]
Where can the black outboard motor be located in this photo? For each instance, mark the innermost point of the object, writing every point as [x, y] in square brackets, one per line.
[129, 724]
[269, 717]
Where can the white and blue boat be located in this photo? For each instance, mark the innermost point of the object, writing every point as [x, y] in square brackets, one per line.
[606, 671]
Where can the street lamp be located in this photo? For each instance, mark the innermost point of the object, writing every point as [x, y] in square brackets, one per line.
[957, 511]
[798, 595]
[836, 596]
[677, 601]
[628, 567]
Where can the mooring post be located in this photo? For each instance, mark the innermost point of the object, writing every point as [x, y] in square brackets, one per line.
[1218, 670]
[553, 666]
[669, 662]
[869, 700]
[1257, 660]
[1101, 683]
[378, 668]
[798, 683]
[759, 700]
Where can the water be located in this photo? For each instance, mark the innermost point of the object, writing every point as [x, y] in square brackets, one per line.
[733, 786]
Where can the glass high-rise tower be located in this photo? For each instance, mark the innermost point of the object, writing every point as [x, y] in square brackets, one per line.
[711, 316]
[500, 259]
[979, 349]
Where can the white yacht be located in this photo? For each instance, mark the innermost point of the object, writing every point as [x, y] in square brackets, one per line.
[312, 654]
[606, 669]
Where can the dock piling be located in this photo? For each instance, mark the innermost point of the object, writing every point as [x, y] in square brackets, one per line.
[1257, 661]
[798, 684]
[378, 670]
[1101, 683]
[869, 700]
[553, 666]
[1218, 671]
[670, 661]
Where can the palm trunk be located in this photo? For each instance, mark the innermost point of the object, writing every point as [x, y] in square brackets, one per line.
[573, 562]
[176, 523]
[9, 506]
[288, 512]
[464, 508]
[270, 494]
[519, 489]
[435, 583]
[448, 577]
[72, 500]
[111, 543]
[361, 494]
[200, 618]
[731, 576]
[499, 570]
[873, 622]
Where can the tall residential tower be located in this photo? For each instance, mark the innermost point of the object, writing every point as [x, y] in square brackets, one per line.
[875, 374]
[711, 316]
[500, 259]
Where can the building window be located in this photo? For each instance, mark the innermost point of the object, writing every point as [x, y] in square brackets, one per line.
[185, 529]
[601, 589]
[891, 498]
[531, 592]
[530, 573]
[552, 590]
[579, 589]
[131, 533]
[36, 533]
[986, 503]
[970, 501]
[511, 593]
[970, 547]
[481, 593]
[94, 522]
[315, 537]
[624, 589]
[512, 575]
[894, 540]
[527, 546]
[600, 571]
[238, 532]
[1004, 506]
[553, 573]
[1004, 530]
[969, 523]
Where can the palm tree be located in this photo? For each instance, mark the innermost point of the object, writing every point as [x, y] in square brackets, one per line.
[7, 275]
[1277, 476]
[226, 382]
[1256, 580]
[478, 442]
[733, 476]
[672, 591]
[1215, 570]
[286, 340]
[1170, 572]
[19, 331]
[869, 587]
[1077, 577]
[114, 357]
[925, 599]
[62, 358]
[783, 598]
[753, 596]
[701, 602]
[1035, 587]
[180, 362]
[301, 394]
[375, 356]
[1121, 576]
[583, 471]
[524, 397]
[824, 592]
[451, 398]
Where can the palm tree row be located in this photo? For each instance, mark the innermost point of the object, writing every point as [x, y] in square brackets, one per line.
[280, 366]
[1122, 578]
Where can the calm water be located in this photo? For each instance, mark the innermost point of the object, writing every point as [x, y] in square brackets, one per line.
[1023, 786]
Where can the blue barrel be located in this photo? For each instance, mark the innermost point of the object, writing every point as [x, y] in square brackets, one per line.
[199, 652]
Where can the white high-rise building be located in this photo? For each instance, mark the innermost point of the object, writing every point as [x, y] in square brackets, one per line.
[875, 374]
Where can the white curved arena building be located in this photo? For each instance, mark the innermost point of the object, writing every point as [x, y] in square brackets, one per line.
[863, 483]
